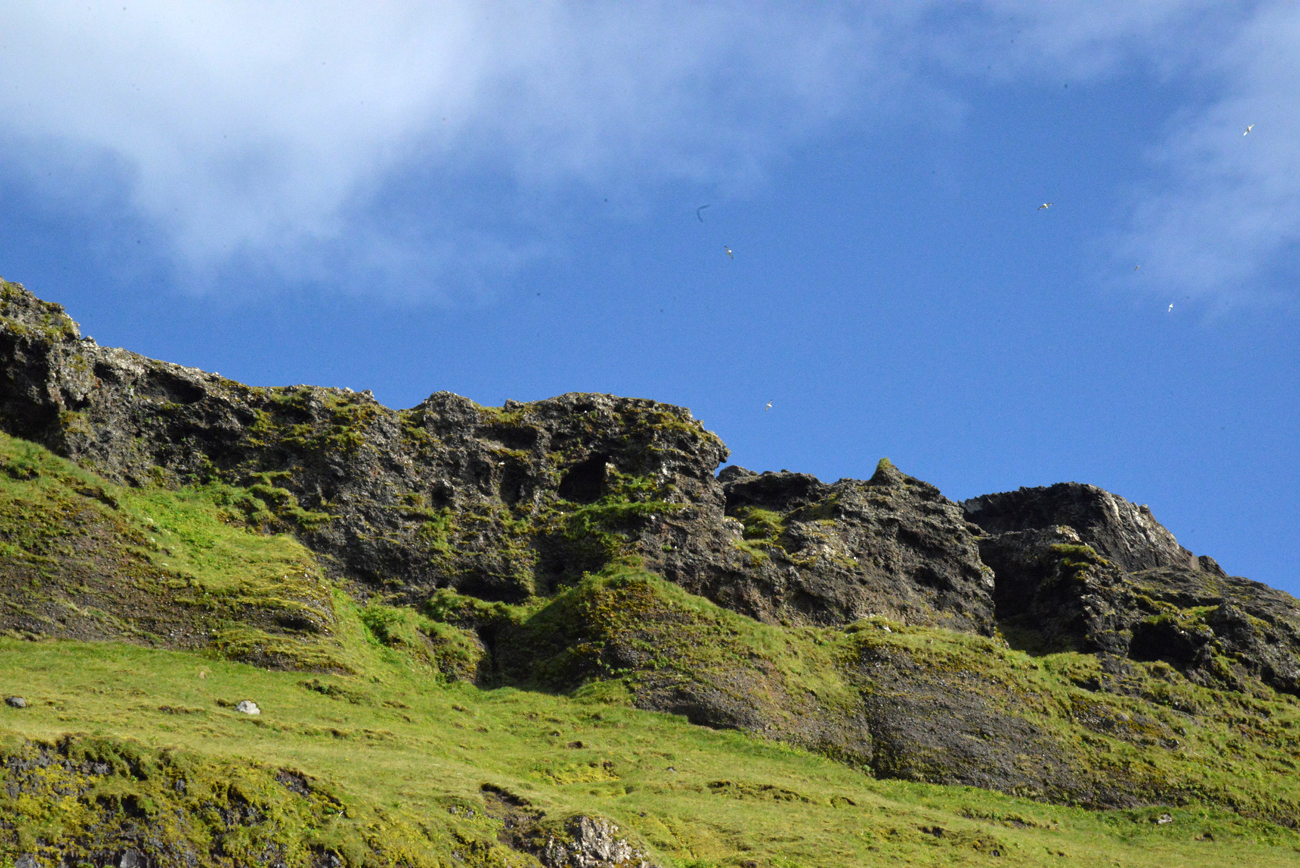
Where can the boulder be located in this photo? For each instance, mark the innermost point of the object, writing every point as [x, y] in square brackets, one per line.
[1123, 533]
[799, 551]
[592, 842]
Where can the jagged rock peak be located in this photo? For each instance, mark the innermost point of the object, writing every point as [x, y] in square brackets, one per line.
[828, 553]
[20, 306]
[1124, 533]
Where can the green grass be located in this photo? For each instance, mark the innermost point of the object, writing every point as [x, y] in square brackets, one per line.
[375, 745]
[401, 750]
[84, 558]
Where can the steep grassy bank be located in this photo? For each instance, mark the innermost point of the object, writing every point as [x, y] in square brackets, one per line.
[391, 767]
[473, 732]
[84, 558]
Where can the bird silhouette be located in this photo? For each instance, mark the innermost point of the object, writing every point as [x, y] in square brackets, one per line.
[1044, 205]
[769, 406]
[1248, 129]
[698, 214]
[728, 249]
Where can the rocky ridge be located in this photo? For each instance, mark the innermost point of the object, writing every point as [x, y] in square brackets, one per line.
[499, 503]
[463, 510]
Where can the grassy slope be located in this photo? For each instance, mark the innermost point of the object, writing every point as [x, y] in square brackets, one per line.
[84, 558]
[402, 749]
[383, 759]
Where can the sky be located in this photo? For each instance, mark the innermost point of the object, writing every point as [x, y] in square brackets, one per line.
[836, 208]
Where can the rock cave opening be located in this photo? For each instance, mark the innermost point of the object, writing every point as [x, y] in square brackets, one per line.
[585, 482]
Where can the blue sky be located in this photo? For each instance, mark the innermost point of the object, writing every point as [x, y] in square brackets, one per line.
[502, 200]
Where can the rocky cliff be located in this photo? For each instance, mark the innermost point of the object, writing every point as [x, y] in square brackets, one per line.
[499, 503]
[519, 525]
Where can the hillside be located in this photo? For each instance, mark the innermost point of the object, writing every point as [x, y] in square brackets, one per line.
[548, 633]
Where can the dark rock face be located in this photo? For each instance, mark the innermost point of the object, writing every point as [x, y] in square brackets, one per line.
[1081, 568]
[1123, 533]
[1061, 592]
[1217, 629]
[500, 503]
[444, 494]
[834, 553]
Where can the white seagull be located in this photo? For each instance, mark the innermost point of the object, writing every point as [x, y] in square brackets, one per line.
[769, 406]
[1248, 129]
[1171, 309]
[1044, 205]
[728, 249]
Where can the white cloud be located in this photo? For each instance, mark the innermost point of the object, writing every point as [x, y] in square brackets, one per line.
[1224, 206]
[265, 131]
[240, 124]
[256, 128]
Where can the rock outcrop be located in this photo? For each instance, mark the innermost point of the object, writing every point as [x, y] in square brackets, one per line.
[1125, 534]
[1081, 568]
[834, 553]
[499, 503]
[582, 505]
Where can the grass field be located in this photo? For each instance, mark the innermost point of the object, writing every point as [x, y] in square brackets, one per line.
[372, 748]
[405, 759]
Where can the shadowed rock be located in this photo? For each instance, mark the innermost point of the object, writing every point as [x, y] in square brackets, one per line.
[1123, 533]
[1081, 568]
[834, 553]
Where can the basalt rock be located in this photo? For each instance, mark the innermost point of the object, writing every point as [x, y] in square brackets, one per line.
[1079, 568]
[820, 553]
[500, 503]
[1123, 533]
[1055, 593]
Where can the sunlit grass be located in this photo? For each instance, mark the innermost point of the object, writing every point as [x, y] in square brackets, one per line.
[397, 747]
[409, 747]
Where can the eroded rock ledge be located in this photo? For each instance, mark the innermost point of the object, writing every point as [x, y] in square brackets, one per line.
[520, 502]
[506, 503]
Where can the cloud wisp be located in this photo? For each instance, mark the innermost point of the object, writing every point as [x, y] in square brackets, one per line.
[1223, 207]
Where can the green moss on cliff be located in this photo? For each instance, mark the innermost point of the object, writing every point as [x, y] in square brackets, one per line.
[338, 420]
[84, 558]
[389, 730]
[25, 316]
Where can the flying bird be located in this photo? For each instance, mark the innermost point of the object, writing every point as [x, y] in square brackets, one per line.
[1136, 267]
[769, 406]
[1248, 129]
[698, 214]
[1171, 309]
[1044, 205]
[728, 249]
